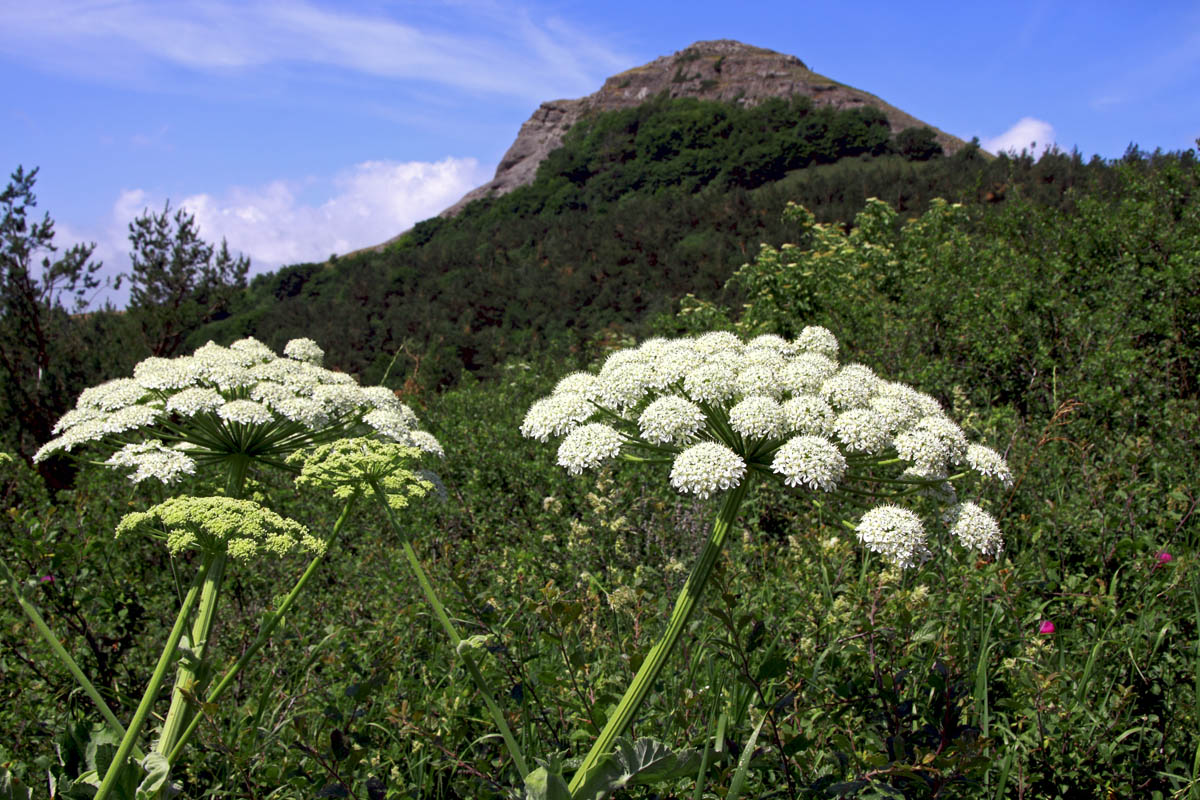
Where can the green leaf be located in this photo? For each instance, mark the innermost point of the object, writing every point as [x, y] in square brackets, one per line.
[645, 761]
[543, 784]
[11, 787]
[157, 771]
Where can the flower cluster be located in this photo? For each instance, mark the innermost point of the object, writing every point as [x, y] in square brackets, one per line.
[242, 529]
[240, 401]
[720, 409]
[348, 466]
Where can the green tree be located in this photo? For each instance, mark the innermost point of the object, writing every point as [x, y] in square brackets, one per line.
[177, 280]
[39, 351]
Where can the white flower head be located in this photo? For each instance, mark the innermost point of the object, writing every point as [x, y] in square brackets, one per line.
[975, 528]
[112, 395]
[76, 417]
[622, 387]
[583, 383]
[151, 459]
[862, 430]
[770, 341]
[924, 450]
[670, 420]
[167, 374]
[339, 398]
[757, 417]
[895, 533]
[719, 342]
[759, 378]
[251, 350]
[896, 414]
[245, 412]
[197, 400]
[815, 339]
[304, 350]
[713, 383]
[380, 397]
[556, 415]
[989, 463]
[426, 442]
[808, 414]
[850, 387]
[805, 373]
[810, 461]
[390, 424]
[706, 468]
[673, 362]
[588, 446]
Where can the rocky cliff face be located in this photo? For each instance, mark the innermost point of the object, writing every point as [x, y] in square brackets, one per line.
[722, 70]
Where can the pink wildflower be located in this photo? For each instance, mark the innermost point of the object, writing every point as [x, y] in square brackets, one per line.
[1163, 558]
[1046, 627]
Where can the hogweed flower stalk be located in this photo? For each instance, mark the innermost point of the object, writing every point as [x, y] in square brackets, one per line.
[723, 412]
[225, 410]
[351, 466]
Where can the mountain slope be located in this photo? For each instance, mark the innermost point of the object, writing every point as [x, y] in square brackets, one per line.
[722, 70]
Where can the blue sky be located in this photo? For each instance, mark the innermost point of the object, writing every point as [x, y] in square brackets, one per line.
[300, 129]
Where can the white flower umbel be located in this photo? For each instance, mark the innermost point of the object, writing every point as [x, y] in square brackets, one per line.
[895, 533]
[851, 387]
[816, 339]
[706, 468]
[152, 460]
[862, 430]
[757, 417]
[808, 414]
[723, 412]
[670, 419]
[556, 415]
[989, 463]
[589, 446]
[810, 461]
[975, 528]
[304, 350]
[221, 405]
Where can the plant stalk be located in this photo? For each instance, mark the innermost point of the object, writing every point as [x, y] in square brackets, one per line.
[89, 689]
[156, 681]
[186, 678]
[439, 611]
[264, 634]
[685, 604]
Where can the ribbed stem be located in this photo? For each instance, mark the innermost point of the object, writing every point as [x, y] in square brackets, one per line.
[156, 682]
[264, 634]
[180, 711]
[35, 617]
[685, 604]
[440, 612]
[185, 677]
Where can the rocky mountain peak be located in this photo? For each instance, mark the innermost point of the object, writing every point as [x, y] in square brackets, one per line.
[722, 69]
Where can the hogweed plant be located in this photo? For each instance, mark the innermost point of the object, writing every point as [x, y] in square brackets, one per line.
[724, 414]
[221, 413]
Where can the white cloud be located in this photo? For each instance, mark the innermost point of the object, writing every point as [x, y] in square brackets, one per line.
[364, 206]
[1024, 135]
[478, 46]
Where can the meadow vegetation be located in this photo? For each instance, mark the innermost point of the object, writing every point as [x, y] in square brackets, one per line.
[1052, 307]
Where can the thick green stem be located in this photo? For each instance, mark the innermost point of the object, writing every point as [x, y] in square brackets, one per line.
[156, 681]
[186, 681]
[689, 596]
[35, 617]
[264, 634]
[440, 612]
